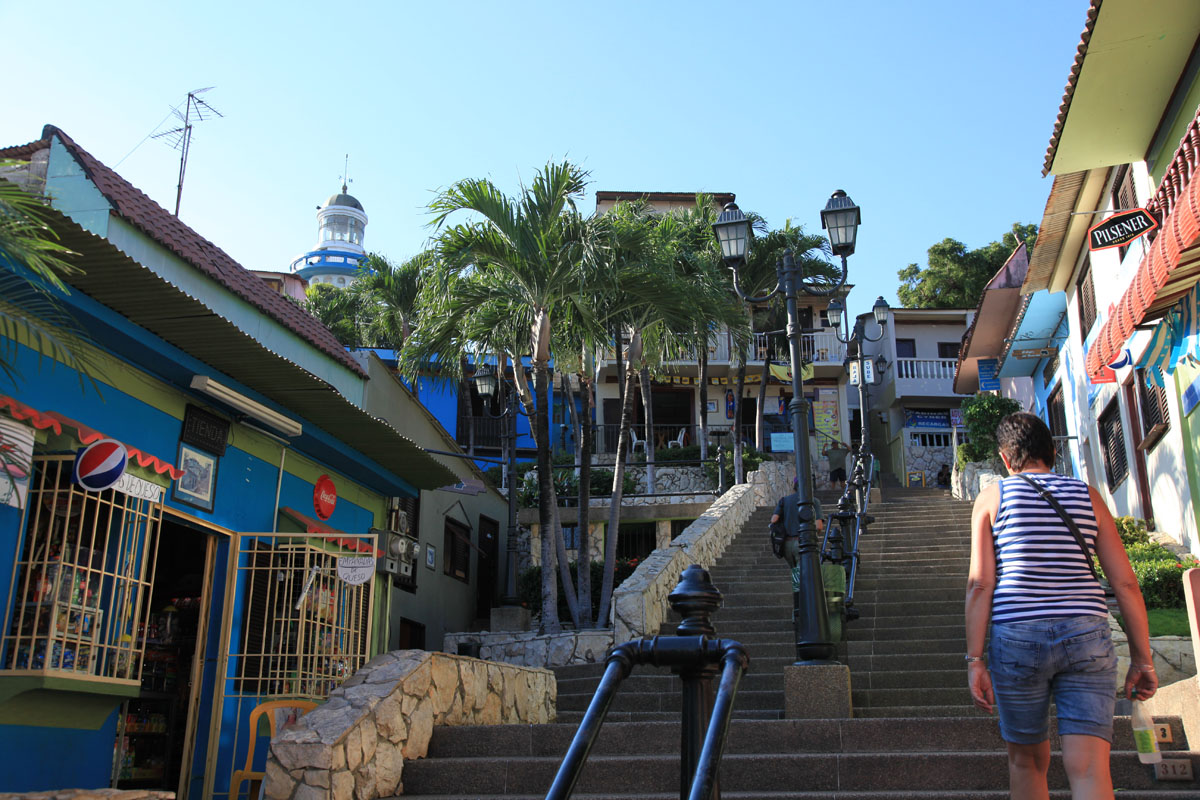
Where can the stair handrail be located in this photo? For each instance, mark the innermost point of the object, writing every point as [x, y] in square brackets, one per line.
[694, 654]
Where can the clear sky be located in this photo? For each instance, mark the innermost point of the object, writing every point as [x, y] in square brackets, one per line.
[933, 116]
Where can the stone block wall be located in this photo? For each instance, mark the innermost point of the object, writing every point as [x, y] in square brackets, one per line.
[671, 479]
[532, 649]
[973, 478]
[353, 746]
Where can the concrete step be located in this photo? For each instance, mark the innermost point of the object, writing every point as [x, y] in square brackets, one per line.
[774, 772]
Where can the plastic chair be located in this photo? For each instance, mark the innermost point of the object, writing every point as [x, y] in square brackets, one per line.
[269, 707]
[635, 442]
[679, 440]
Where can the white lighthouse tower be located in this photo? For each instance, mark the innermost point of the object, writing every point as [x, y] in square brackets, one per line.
[339, 253]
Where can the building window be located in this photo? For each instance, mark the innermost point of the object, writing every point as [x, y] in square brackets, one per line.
[932, 439]
[1112, 446]
[949, 349]
[1051, 368]
[1085, 293]
[1123, 197]
[1056, 411]
[80, 598]
[1156, 416]
[570, 537]
[906, 348]
[456, 551]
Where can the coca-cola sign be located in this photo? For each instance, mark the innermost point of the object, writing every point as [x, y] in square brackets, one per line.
[324, 497]
[1121, 229]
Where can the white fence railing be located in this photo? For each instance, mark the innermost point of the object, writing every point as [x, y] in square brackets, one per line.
[925, 369]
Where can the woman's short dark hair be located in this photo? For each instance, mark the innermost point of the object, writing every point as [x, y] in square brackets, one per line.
[1024, 438]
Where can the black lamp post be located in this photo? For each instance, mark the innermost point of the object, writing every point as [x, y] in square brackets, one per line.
[487, 383]
[814, 644]
[868, 373]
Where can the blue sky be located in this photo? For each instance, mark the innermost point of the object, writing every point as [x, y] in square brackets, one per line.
[933, 116]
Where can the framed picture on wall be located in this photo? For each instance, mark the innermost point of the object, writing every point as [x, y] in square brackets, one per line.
[712, 407]
[198, 486]
[430, 556]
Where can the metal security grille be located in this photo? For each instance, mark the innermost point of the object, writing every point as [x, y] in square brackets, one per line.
[298, 631]
[1112, 445]
[80, 591]
[303, 629]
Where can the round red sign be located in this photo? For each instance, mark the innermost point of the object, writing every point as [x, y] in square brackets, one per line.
[324, 497]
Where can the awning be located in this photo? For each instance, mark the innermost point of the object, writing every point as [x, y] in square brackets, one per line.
[1172, 265]
[55, 422]
[340, 538]
[1175, 338]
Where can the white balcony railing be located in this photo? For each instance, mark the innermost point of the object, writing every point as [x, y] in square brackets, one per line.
[925, 369]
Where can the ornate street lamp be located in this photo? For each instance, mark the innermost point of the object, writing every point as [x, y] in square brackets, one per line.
[487, 383]
[814, 644]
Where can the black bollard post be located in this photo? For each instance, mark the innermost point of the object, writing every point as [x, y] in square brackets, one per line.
[695, 598]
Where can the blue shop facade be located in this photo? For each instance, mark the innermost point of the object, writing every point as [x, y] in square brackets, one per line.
[195, 507]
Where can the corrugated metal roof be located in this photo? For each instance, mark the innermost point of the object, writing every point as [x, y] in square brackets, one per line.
[130, 289]
[1056, 219]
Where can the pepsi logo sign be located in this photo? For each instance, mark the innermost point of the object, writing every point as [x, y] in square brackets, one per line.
[100, 465]
[324, 497]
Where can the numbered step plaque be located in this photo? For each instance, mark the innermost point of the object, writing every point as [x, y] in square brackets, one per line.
[1173, 769]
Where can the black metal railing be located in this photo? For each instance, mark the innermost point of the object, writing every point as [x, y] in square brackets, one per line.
[845, 526]
[696, 656]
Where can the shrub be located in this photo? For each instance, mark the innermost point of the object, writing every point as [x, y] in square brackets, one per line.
[1132, 530]
[529, 586]
[1159, 573]
[981, 414]
[566, 486]
[751, 458]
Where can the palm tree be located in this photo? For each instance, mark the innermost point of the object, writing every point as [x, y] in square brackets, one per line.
[523, 262]
[654, 303]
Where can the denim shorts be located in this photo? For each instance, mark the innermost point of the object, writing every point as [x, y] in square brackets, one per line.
[1069, 659]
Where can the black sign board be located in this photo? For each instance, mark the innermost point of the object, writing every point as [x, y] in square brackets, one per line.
[1121, 229]
[204, 430]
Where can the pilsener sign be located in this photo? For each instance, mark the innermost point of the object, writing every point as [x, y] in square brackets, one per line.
[1121, 229]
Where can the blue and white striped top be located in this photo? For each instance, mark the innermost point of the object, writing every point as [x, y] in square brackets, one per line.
[1041, 571]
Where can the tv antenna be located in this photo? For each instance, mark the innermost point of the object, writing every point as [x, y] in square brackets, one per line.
[346, 179]
[180, 138]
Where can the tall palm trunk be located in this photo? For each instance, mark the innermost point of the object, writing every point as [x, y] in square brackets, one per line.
[648, 414]
[541, 433]
[614, 511]
[702, 409]
[587, 442]
[759, 432]
[738, 470]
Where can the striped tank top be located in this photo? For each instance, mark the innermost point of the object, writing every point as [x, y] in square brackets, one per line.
[1041, 571]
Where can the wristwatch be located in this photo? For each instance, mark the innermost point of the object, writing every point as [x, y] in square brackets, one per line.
[974, 658]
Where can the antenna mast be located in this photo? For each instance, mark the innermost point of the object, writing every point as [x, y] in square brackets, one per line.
[180, 138]
[346, 179]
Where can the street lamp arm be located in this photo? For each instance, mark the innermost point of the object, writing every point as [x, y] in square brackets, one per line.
[774, 293]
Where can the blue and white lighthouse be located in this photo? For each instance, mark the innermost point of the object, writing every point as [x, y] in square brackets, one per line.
[339, 253]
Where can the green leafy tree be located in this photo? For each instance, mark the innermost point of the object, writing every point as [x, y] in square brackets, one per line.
[33, 265]
[348, 314]
[955, 275]
[982, 412]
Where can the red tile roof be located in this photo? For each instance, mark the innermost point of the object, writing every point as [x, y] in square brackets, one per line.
[137, 209]
[1072, 79]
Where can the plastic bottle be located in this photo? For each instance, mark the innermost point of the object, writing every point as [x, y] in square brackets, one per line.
[1143, 734]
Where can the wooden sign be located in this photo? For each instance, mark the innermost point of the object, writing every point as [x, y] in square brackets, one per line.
[1035, 352]
[1120, 229]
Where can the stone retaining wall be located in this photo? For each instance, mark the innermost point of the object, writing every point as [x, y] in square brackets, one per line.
[973, 478]
[640, 603]
[536, 650]
[353, 746]
[671, 479]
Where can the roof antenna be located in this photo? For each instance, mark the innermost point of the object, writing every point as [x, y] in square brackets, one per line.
[195, 110]
[345, 176]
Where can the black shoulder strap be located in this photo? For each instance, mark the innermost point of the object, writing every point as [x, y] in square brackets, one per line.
[1066, 518]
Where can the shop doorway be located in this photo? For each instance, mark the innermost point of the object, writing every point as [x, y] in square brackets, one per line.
[156, 729]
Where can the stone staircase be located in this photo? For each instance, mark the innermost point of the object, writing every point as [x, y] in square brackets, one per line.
[914, 733]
